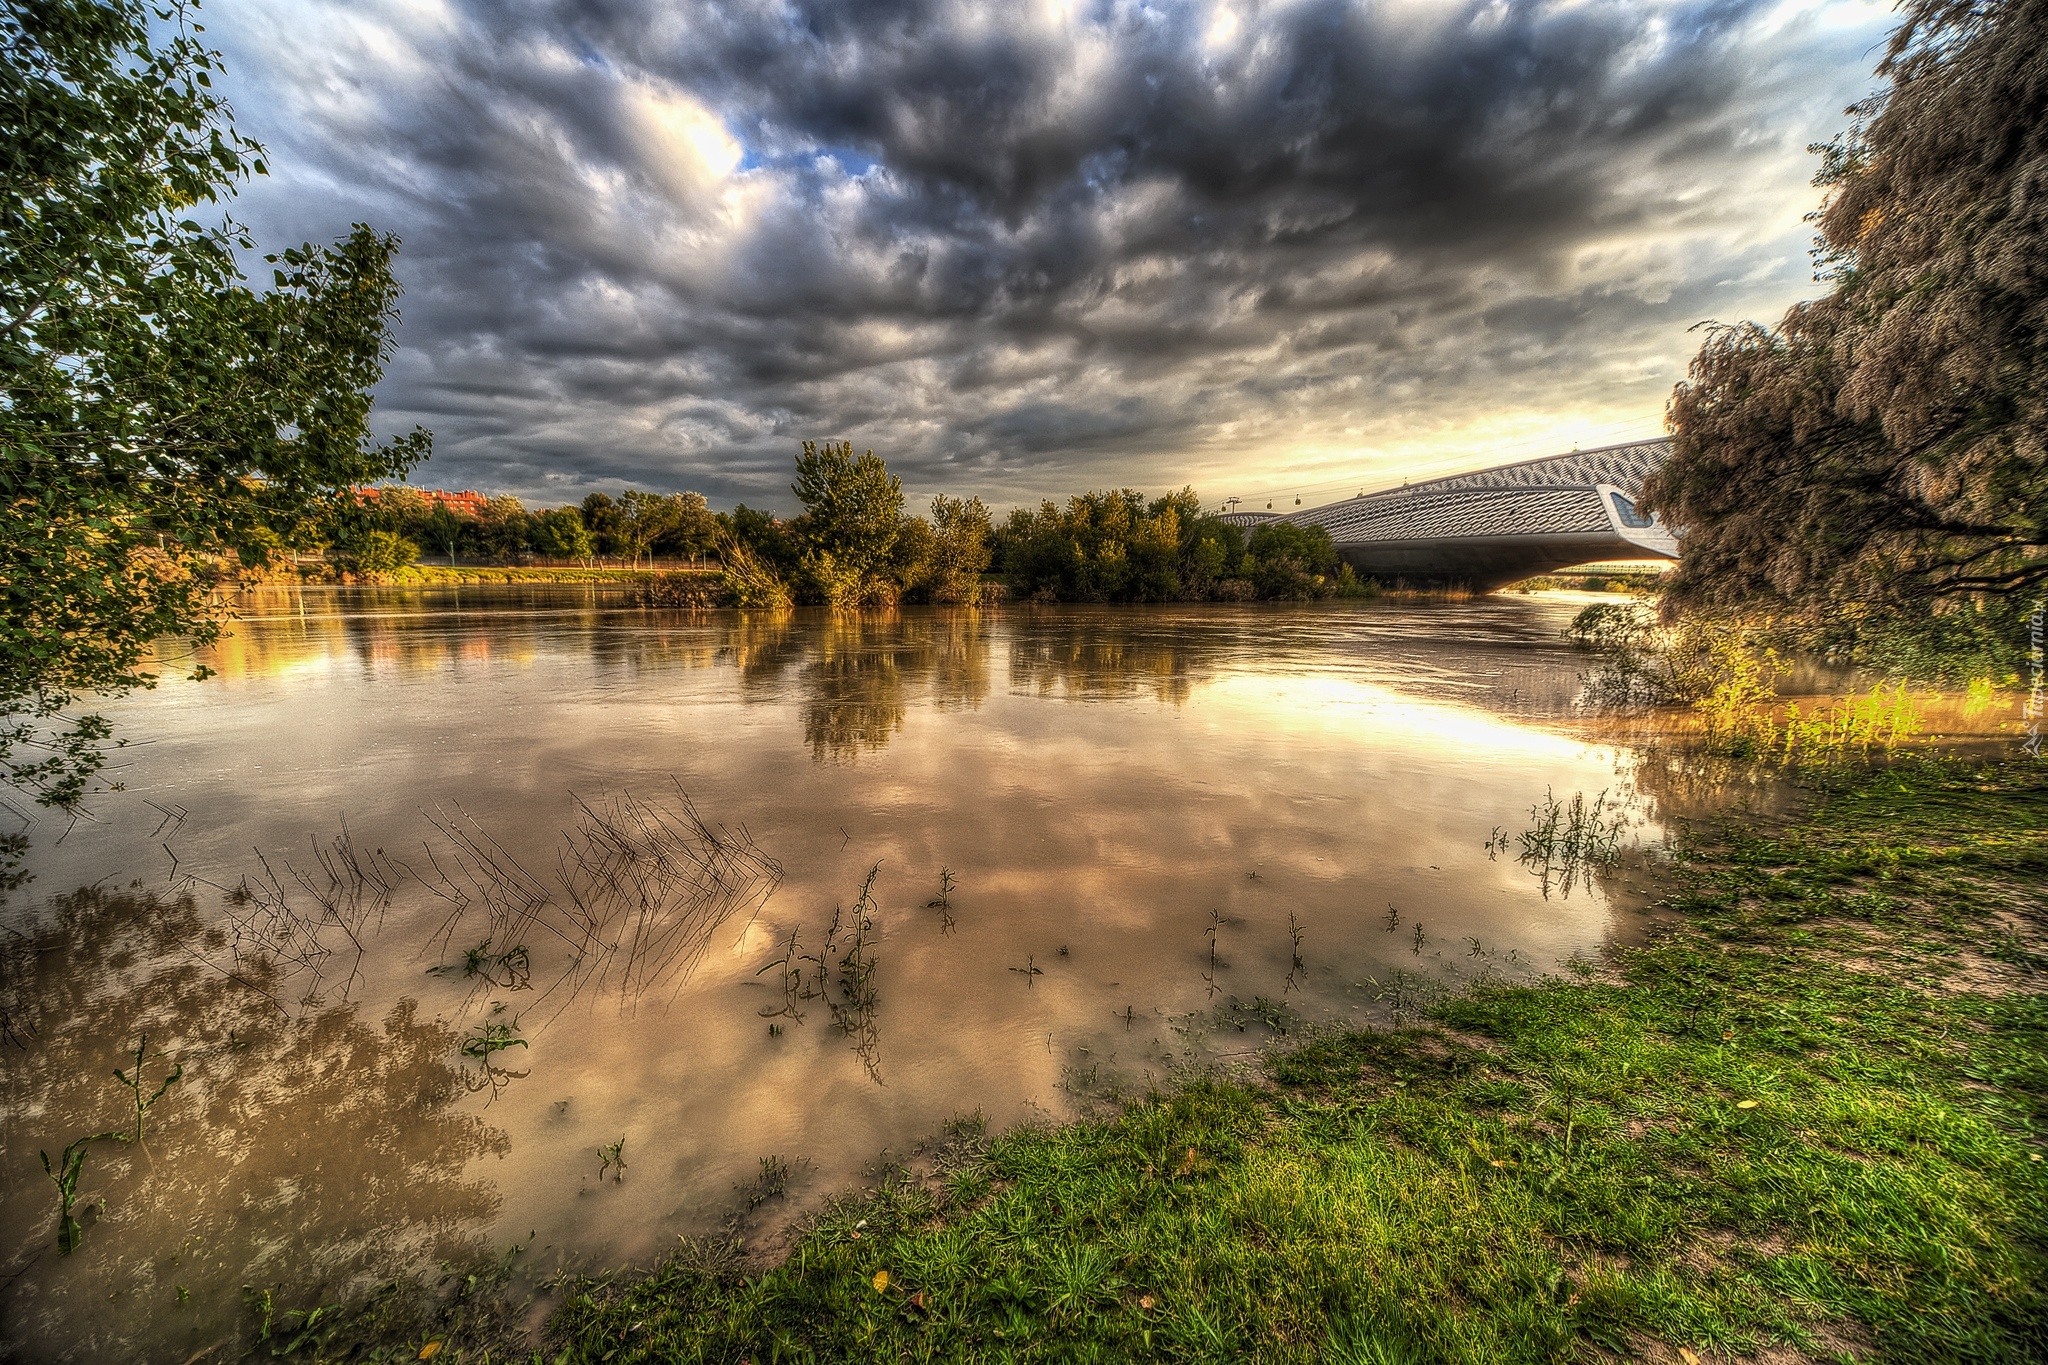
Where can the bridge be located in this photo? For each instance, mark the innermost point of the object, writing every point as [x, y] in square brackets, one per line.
[1496, 526]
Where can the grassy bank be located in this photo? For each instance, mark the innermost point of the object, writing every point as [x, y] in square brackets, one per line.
[1803, 1121]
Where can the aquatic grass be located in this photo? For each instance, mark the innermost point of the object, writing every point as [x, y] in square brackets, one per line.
[1296, 931]
[943, 902]
[841, 973]
[1800, 1118]
[1567, 841]
[853, 1011]
[792, 979]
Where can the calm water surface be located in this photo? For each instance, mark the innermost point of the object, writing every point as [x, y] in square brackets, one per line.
[1106, 845]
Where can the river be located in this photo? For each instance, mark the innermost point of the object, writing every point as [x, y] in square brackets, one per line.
[436, 895]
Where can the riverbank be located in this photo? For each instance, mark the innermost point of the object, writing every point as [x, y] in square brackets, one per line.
[1803, 1121]
[433, 575]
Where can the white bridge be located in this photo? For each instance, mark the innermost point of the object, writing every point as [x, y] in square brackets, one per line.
[1497, 526]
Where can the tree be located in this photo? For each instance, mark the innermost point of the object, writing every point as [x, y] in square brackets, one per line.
[380, 552]
[601, 517]
[445, 529]
[160, 414]
[1288, 561]
[642, 518]
[504, 529]
[1889, 441]
[690, 529]
[1104, 546]
[765, 538]
[852, 505]
[960, 554]
[559, 533]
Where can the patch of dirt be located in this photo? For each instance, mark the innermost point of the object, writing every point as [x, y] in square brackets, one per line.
[1715, 1250]
[1833, 1340]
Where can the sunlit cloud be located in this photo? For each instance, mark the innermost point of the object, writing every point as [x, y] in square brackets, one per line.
[1024, 249]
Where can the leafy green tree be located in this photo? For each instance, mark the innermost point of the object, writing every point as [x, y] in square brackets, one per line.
[445, 529]
[1104, 546]
[765, 538]
[913, 558]
[504, 530]
[691, 530]
[399, 508]
[160, 414]
[1214, 550]
[853, 514]
[642, 519]
[852, 506]
[1889, 442]
[601, 518]
[1291, 562]
[961, 532]
[559, 533]
[380, 552]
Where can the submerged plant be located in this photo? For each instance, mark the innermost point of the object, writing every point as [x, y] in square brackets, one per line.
[134, 1083]
[493, 1037]
[943, 902]
[611, 1157]
[792, 983]
[1569, 839]
[64, 1173]
[773, 1181]
[846, 982]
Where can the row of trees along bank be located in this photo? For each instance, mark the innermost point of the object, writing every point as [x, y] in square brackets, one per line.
[855, 545]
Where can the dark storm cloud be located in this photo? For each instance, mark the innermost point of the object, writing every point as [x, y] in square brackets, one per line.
[1018, 248]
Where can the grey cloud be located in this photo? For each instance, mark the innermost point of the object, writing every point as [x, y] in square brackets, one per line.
[663, 242]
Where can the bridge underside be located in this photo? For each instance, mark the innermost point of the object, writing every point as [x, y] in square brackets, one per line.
[1483, 563]
[1496, 526]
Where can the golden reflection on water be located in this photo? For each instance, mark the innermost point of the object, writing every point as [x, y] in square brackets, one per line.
[304, 1152]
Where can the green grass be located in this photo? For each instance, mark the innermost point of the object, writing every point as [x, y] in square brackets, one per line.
[1804, 1117]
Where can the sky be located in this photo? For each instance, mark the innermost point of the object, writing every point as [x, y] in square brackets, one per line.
[1023, 248]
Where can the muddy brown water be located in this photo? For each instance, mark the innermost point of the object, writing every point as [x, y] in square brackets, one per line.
[434, 894]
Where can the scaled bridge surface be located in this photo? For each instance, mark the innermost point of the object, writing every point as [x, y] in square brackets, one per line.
[1496, 526]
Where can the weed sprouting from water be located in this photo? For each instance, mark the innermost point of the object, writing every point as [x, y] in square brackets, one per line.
[639, 889]
[1420, 939]
[1408, 995]
[493, 1036]
[510, 970]
[792, 983]
[1570, 839]
[483, 1043]
[1295, 930]
[943, 902]
[1274, 1014]
[612, 1157]
[773, 1180]
[64, 1174]
[1216, 922]
[1029, 970]
[845, 982]
[134, 1083]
